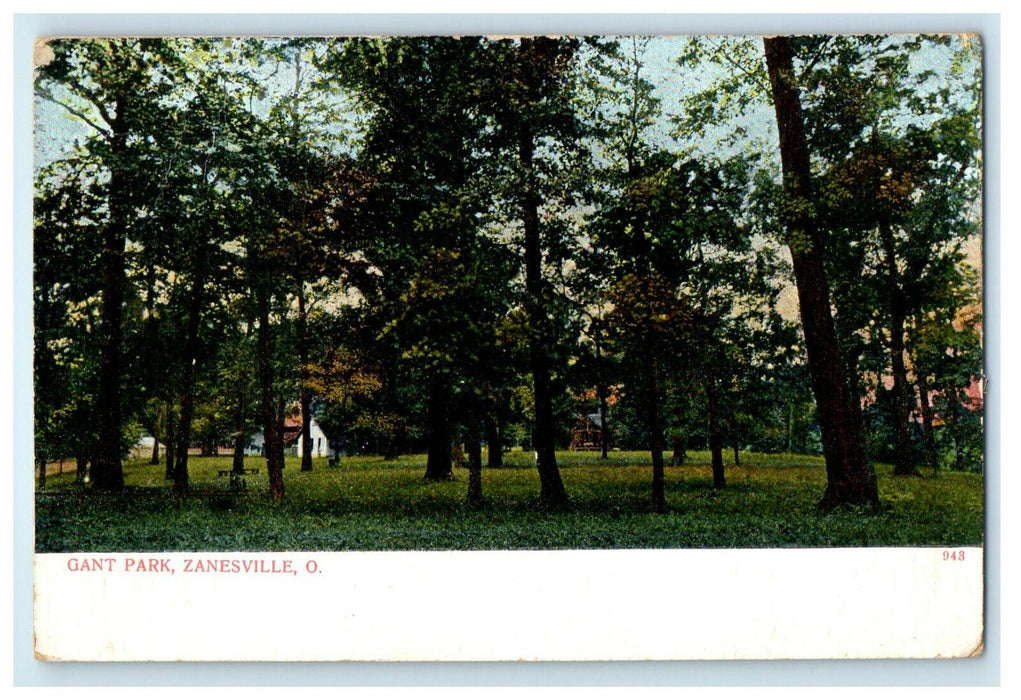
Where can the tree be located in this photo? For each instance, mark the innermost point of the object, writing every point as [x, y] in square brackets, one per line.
[67, 282]
[118, 88]
[850, 477]
[528, 92]
[945, 345]
[422, 148]
[215, 154]
[897, 196]
[625, 111]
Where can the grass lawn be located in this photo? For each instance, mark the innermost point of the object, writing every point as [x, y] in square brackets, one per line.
[365, 503]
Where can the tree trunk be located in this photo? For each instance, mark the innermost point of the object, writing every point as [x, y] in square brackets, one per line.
[850, 477]
[391, 446]
[271, 437]
[604, 428]
[191, 352]
[552, 491]
[715, 432]
[171, 443]
[151, 363]
[928, 431]
[602, 391]
[475, 498]
[40, 465]
[679, 454]
[304, 392]
[438, 465]
[494, 443]
[904, 463]
[955, 427]
[81, 468]
[107, 471]
[281, 433]
[737, 455]
[654, 422]
[237, 465]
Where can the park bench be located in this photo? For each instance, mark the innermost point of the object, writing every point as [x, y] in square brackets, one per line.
[227, 472]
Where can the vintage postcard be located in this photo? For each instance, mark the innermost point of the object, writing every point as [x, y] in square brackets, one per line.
[493, 348]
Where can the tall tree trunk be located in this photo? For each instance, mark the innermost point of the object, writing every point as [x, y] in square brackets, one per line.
[653, 419]
[40, 465]
[171, 442]
[552, 491]
[304, 391]
[237, 465]
[153, 358]
[602, 391]
[955, 426]
[475, 498]
[281, 415]
[271, 437]
[679, 453]
[191, 352]
[604, 428]
[715, 431]
[494, 442]
[392, 443]
[438, 465]
[649, 356]
[107, 471]
[904, 463]
[81, 468]
[928, 431]
[850, 477]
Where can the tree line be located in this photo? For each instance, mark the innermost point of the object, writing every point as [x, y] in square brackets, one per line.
[424, 241]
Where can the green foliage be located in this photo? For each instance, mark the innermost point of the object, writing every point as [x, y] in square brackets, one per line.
[369, 196]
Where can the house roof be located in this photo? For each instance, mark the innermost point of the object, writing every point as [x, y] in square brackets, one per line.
[592, 418]
[292, 429]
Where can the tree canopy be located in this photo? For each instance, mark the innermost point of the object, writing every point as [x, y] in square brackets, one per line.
[424, 242]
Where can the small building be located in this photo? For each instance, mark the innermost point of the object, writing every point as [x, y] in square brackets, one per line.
[319, 444]
[588, 433]
[143, 448]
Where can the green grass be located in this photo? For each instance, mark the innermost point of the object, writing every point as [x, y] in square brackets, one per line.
[365, 503]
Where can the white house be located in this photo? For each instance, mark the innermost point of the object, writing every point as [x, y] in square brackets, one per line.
[143, 448]
[293, 444]
[319, 446]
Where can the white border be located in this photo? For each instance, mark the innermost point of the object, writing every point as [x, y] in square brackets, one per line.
[622, 605]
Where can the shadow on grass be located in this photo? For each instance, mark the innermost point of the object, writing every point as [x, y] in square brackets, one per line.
[701, 486]
[369, 509]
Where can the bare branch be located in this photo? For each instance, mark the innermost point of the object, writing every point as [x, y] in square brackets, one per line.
[48, 96]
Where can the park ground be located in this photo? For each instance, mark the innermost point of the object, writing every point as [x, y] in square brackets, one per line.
[365, 503]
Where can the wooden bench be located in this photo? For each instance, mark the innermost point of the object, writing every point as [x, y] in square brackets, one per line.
[228, 472]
